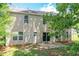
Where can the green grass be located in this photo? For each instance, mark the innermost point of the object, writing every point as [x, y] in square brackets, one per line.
[66, 51]
[30, 53]
[18, 52]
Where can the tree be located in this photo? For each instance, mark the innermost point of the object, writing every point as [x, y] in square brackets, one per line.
[4, 18]
[67, 18]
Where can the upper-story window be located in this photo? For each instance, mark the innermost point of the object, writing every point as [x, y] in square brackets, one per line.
[25, 19]
[20, 33]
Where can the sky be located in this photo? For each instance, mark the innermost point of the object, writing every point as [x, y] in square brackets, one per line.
[35, 6]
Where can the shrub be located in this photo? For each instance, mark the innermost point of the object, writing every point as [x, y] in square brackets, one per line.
[2, 42]
[72, 49]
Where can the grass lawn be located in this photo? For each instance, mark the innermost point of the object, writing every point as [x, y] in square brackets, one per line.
[14, 51]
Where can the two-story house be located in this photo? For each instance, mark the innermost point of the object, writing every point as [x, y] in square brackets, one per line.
[27, 27]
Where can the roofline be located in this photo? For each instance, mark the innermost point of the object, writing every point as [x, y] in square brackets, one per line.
[29, 12]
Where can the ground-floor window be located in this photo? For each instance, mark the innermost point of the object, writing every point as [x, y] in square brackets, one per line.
[20, 34]
[14, 37]
[17, 35]
[20, 37]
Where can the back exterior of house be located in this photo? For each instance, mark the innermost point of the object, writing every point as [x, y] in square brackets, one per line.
[27, 27]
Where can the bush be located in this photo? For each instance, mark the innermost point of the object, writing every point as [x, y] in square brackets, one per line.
[72, 49]
[2, 42]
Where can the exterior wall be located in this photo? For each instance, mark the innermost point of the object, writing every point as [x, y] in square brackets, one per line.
[74, 35]
[35, 24]
[17, 26]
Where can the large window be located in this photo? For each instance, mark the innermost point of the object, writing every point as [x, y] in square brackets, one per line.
[18, 36]
[25, 19]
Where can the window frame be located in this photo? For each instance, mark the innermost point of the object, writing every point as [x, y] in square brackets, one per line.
[26, 19]
[18, 35]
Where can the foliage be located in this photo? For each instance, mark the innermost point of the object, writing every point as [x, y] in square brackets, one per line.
[20, 53]
[4, 18]
[4, 21]
[2, 42]
[72, 49]
[29, 53]
[69, 50]
[67, 18]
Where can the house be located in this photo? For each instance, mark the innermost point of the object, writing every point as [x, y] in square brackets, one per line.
[28, 27]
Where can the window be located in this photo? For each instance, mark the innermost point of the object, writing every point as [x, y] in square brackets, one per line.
[25, 19]
[35, 33]
[14, 37]
[20, 35]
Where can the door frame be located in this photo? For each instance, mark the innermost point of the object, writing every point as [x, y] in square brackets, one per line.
[47, 37]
